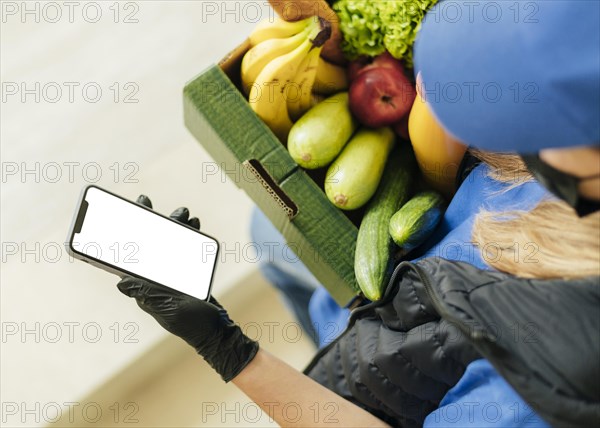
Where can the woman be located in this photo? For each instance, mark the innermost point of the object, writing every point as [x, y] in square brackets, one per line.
[451, 336]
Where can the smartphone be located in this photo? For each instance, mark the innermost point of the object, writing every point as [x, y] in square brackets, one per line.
[129, 239]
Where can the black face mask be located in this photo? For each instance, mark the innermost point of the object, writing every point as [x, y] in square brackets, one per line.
[561, 184]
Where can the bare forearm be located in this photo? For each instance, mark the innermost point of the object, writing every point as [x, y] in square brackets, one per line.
[292, 399]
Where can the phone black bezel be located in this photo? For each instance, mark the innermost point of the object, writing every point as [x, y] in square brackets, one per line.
[78, 221]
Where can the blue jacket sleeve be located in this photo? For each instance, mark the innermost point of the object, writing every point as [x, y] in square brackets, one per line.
[482, 398]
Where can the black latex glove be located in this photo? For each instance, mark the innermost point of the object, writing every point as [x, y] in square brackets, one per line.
[203, 325]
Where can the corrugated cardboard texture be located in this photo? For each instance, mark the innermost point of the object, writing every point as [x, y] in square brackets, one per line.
[321, 235]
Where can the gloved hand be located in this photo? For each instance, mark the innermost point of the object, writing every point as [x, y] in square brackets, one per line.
[203, 325]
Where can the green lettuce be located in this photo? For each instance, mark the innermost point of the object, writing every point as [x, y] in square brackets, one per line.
[361, 27]
[371, 27]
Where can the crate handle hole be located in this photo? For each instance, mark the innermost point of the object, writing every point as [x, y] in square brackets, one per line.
[263, 176]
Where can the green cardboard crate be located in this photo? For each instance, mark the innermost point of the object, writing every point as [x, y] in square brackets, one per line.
[220, 118]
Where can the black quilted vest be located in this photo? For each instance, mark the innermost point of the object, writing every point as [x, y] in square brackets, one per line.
[399, 356]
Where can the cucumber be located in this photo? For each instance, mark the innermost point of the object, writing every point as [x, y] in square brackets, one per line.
[416, 220]
[319, 136]
[374, 246]
[353, 177]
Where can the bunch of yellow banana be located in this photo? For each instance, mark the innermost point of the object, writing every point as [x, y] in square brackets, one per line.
[283, 73]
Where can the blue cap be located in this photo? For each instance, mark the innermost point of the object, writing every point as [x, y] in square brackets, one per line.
[513, 75]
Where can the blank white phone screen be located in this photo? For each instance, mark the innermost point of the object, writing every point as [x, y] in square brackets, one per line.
[136, 240]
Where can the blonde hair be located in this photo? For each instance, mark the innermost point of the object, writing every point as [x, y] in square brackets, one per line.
[550, 241]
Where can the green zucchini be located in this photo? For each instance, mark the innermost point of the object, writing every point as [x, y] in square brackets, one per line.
[319, 136]
[374, 246]
[354, 176]
[416, 220]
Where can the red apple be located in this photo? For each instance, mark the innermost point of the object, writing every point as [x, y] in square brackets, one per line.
[401, 128]
[356, 66]
[359, 66]
[381, 96]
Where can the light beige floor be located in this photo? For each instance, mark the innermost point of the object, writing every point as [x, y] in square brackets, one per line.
[184, 391]
[140, 147]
